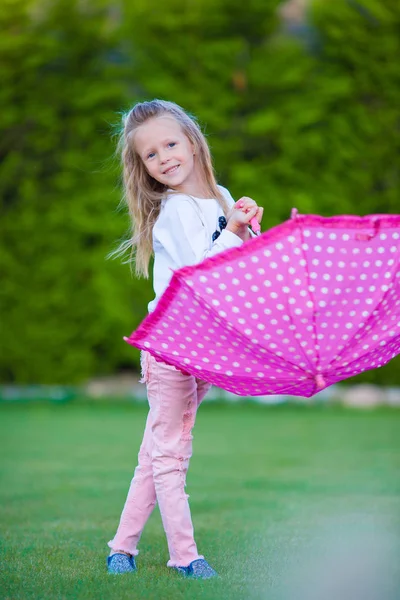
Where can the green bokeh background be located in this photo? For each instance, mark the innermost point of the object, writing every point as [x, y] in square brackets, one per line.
[302, 114]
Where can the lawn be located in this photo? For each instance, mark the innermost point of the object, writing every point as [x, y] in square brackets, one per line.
[289, 503]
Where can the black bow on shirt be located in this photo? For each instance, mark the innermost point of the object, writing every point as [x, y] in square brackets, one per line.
[222, 225]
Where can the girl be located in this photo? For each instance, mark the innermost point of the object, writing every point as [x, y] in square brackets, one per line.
[181, 216]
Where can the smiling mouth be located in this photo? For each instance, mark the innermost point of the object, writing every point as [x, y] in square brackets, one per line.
[171, 170]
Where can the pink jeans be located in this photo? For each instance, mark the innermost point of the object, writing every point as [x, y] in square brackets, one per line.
[164, 456]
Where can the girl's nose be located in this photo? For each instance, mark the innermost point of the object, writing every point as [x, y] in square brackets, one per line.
[163, 159]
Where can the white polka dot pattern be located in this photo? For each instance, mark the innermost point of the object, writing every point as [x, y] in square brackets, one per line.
[308, 303]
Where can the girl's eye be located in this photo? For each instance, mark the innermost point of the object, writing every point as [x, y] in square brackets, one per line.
[171, 144]
[151, 154]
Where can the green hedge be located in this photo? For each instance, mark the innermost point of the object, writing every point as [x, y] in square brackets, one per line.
[309, 121]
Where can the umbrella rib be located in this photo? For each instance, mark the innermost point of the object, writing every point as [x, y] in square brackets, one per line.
[314, 324]
[394, 340]
[272, 235]
[352, 340]
[283, 362]
[250, 378]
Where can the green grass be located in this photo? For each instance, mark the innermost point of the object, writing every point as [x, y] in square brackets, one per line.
[295, 503]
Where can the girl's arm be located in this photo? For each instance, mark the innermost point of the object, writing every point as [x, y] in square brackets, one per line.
[181, 233]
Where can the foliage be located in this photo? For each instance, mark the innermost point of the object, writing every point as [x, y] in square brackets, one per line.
[309, 121]
[64, 304]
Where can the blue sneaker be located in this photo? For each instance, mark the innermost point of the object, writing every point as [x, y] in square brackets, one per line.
[198, 569]
[120, 563]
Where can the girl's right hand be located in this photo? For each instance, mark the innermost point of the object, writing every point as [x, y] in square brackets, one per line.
[239, 221]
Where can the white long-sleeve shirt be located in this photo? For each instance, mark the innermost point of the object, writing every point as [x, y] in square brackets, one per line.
[182, 235]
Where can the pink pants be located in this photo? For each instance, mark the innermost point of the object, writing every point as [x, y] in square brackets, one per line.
[164, 456]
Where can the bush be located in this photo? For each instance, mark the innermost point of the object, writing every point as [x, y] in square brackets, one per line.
[309, 121]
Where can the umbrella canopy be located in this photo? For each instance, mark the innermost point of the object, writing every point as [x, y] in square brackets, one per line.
[306, 304]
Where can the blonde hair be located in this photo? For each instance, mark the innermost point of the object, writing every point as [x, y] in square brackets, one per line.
[142, 193]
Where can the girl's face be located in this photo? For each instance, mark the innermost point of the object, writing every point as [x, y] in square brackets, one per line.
[167, 154]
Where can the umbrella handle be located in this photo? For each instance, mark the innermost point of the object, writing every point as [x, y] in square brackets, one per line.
[255, 225]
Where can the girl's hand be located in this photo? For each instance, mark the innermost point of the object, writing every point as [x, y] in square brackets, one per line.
[250, 210]
[239, 221]
[246, 204]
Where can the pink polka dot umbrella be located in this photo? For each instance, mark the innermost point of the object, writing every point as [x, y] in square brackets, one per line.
[304, 305]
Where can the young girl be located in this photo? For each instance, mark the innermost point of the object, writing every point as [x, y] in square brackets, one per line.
[181, 216]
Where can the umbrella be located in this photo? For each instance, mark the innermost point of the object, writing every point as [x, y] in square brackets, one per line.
[306, 304]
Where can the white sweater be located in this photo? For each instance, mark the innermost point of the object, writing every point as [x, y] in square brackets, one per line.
[182, 235]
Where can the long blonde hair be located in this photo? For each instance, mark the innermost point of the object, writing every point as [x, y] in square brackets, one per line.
[142, 193]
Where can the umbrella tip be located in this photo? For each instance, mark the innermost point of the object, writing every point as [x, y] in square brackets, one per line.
[320, 381]
[294, 213]
[126, 339]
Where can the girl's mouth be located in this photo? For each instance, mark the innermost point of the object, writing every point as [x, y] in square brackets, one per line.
[171, 170]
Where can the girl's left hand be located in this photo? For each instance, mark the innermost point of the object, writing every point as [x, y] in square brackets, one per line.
[245, 204]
